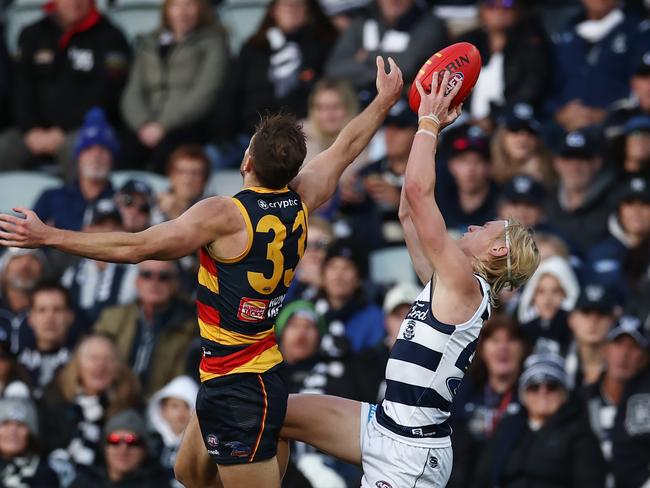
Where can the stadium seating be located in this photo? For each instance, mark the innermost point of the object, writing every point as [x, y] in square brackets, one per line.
[22, 188]
[224, 182]
[136, 17]
[391, 265]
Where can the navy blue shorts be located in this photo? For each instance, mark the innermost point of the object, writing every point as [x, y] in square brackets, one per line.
[240, 416]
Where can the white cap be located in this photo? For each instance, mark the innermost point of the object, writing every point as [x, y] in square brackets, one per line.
[400, 294]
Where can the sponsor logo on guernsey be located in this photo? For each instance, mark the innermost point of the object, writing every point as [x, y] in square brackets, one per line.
[274, 307]
[252, 310]
[383, 484]
[280, 204]
[418, 311]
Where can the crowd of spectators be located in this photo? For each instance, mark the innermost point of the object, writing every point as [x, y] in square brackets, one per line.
[99, 361]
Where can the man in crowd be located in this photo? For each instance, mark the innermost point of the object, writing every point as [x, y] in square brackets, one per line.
[580, 206]
[153, 333]
[20, 271]
[68, 207]
[69, 61]
[523, 198]
[135, 202]
[50, 344]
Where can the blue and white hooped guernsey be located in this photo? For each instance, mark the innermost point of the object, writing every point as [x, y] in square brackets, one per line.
[426, 365]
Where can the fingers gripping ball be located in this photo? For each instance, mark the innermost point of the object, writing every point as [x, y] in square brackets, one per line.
[463, 62]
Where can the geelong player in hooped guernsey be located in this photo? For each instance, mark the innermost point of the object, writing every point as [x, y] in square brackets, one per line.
[249, 246]
[238, 299]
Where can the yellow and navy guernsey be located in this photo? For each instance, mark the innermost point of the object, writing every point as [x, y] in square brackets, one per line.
[238, 299]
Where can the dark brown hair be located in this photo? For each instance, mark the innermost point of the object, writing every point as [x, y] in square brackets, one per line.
[50, 286]
[206, 15]
[189, 151]
[278, 149]
[318, 24]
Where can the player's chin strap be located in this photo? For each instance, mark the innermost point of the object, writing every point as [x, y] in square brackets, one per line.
[508, 259]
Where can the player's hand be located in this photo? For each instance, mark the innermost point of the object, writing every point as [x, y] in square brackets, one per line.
[389, 85]
[28, 232]
[438, 101]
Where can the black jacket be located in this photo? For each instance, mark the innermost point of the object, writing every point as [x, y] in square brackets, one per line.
[5, 82]
[55, 86]
[564, 453]
[526, 61]
[148, 476]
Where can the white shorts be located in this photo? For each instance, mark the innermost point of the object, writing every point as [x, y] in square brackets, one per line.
[390, 463]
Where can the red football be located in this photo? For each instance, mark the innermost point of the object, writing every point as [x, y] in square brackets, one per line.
[463, 62]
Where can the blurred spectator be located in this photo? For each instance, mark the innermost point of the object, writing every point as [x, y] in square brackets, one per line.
[397, 304]
[68, 207]
[343, 12]
[371, 207]
[50, 344]
[127, 451]
[299, 329]
[135, 202]
[474, 198]
[516, 59]
[402, 29]
[168, 413]
[629, 227]
[188, 170]
[14, 380]
[523, 198]
[625, 356]
[545, 303]
[550, 245]
[353, 324]
[631, 434]
[594, 60]
[580, 206]
[20, 462]
[309, 274]
[637, 146]
[94, 284]
[172, 89]
[70, 61]
[20, 271]
[332, 104]
[488, 392]
[590, 321]
[90, 388]
[5, 82]
[517, 148]
[636, 105]
[153, 333]
[277, 67]
[548, 443]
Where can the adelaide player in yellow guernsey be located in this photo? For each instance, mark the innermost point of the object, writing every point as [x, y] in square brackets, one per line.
[249, 247]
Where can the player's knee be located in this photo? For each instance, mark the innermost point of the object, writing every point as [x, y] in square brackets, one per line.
[182, 473]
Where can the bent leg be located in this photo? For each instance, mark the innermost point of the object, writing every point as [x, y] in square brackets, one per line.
[193, 467]
[261, 473]
[329, 423]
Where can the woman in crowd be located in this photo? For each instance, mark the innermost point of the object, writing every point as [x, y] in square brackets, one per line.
[488, 393]
[21, 466]
[174, 82]
[549, 443]
[518, 148]
[90, 388]
[277, 67]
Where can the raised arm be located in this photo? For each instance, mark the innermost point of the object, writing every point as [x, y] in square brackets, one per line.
[450, 264]
[207, 220]
[317, 180]
[421, 264]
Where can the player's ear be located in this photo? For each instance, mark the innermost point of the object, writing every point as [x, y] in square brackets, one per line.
[498, 250]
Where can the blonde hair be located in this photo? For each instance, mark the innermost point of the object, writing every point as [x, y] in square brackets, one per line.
[517, 266]
[122, 394]
[343, 89]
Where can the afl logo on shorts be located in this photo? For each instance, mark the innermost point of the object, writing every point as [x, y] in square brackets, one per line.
[263, 205]
[383, 484]
[456, 78]
[212, 440]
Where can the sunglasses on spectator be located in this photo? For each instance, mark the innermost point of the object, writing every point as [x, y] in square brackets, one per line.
[128, 201]
[550, 387]
[131, 440]
[164, 276]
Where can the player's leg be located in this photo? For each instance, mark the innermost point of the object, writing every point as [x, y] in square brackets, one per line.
[262, 473]
[193, 466]
[329, 423]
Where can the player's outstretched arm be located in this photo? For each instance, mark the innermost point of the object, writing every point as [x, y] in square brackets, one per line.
[444, 256]
[198, 226]
[421, 263]
[317, 180]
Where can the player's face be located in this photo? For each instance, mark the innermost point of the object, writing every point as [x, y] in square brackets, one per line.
[329, 112]
[50, 317]
[502, 354]
[590, 327]
[548, 298]
[635, 218]
[480, 239]
[624, 358]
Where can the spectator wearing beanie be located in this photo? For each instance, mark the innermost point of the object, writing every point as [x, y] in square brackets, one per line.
[520, 453]
[71, 60]
[127, 451]
[173, 85]
[68, 207]
[21, 466]
[168, 414]
[93, 284]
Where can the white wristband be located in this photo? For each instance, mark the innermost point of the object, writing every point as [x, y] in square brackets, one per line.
[430, 117]
[427, 132]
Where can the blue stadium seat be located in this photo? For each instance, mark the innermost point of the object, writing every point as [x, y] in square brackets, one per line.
[22, 188]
